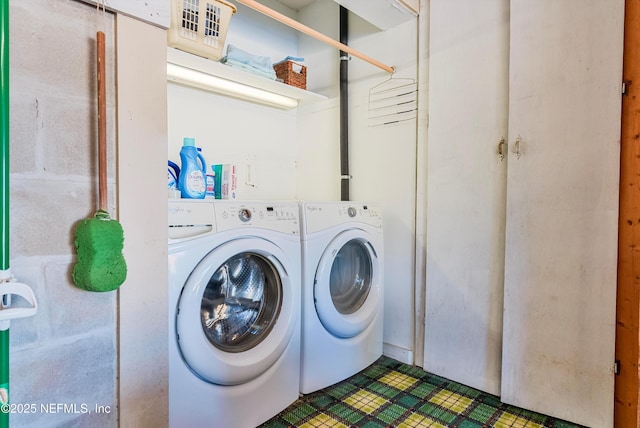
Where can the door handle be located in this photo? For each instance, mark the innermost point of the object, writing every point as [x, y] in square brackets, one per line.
[516, 147]
[501, 149]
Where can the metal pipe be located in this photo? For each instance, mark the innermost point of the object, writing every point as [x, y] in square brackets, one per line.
[4, 131]
[7, 284]
[4, 375]
[344, 107]
[4, 199]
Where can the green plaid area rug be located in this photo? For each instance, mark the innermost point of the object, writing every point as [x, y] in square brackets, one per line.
[391, 394]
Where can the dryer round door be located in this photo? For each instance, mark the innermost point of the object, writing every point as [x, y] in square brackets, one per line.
[347, 284]
[236, 313]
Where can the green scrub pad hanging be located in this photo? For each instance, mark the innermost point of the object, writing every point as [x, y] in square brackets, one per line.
[99, 240]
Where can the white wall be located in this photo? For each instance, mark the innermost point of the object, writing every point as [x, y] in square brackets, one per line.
[67, 352]
[259, 140]
[383, 160]
[142, 139]
[260, 35]
[156, 12]
[318, 154]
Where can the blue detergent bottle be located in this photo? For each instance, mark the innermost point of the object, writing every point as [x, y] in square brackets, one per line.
[191, 181]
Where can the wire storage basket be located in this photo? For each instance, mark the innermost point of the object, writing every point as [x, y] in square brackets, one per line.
[200, 26]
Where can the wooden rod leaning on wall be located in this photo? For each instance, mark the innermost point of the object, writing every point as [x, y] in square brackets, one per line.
[313, 33]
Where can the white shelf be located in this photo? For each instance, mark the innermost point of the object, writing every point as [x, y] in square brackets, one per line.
[217, 69]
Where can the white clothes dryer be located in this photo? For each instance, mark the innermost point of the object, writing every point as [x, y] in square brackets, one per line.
[234, 312]
[342, 294]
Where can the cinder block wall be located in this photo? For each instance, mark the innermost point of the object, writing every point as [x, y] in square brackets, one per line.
[64, 359]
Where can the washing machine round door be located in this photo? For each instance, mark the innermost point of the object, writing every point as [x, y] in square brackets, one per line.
[347, 284]
[236, 313]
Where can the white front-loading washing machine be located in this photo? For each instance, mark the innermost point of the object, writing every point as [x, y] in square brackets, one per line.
[234, 312]
[342, 294]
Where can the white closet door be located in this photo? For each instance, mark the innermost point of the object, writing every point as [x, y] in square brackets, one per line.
[562, 208]
[468, 96]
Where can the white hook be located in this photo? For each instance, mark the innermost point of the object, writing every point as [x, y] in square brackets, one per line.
[8, 313]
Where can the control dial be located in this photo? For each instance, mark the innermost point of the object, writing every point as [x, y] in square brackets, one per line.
[244, 215]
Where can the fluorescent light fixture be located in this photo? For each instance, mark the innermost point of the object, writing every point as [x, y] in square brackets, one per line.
[190, 77]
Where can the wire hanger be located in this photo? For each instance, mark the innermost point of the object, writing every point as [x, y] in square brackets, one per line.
[393, 100]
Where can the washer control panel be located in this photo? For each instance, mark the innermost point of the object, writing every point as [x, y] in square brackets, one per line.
[189, 218]
[277, 216]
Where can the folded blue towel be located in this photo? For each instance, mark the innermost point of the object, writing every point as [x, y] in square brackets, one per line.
[297, 59]
[271, 74]
[243, 59]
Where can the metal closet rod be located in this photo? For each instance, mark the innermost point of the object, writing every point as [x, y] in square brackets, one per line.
[313, 33]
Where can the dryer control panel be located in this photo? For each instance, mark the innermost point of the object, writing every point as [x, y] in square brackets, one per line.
[276, 216]
[323, 215]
